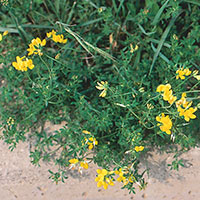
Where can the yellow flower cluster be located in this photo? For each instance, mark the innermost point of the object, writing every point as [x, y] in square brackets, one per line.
[23, 64]
[185, 109]
[139, 148]
[4, 34]
[122, 178]
[103, 178]
[91, 141]
[103, 85]
[183, 106]
[81, 164]
[165, 123]
[10, 121]
[133, 49]
[56, 38]
[166, 93]
[181, 73]
[35, 46]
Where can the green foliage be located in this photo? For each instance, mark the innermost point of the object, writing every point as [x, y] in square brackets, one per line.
[133, 45]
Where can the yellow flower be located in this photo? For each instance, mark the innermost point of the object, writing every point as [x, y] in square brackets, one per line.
[50, 34]
[73, 161]
[122, 178]
[162, 88]
[102, 179]
[166, 93]
[10, 121]
[92, 142]
[102, 86]
[139, 148]
[5, 33]
[100, 9]
[175, 37]
[133, 49]
[84, 165]
[183, 102]
[35, 46]
[56, 38]
[196, 75]
[57, 56]
[23, 65]
[185, 109]
[86, 132]
[29, 63]
[166, 123]
[187, 113]
[181, 73]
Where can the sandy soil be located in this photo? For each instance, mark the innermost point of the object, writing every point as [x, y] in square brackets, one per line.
[19, 179]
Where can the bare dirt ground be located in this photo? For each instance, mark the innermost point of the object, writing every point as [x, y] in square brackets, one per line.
[19, 179]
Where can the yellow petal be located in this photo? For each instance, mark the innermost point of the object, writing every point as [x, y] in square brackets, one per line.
[99, 184]
[86, 132]
[73, 161]
[103, 93]
[43, 43]
[197, 77]
[104, 172]
[99, 87]
[5, 33]
[105, 185]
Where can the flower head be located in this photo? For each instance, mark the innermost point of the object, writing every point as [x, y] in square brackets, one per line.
[133, 49]
[103, 178]
[103, 85]
[165, 123]
[125, 179]
[181, 73]
[81, 164]
[35, 46]
[184, 108]
[91, 142]
[187, 113]
[4, 34]
[166, 93]
[58, 38]
[23, 64]
[10, 121]
[139, 148]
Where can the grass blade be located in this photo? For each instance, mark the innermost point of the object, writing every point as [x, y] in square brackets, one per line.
[10, 30]
[85, 44]
[194, 2]
[162, 40]
[159, 13]
[160, 54]
[143, 31]
[91, 21]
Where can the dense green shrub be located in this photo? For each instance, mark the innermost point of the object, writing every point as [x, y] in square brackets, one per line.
[125, 82]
